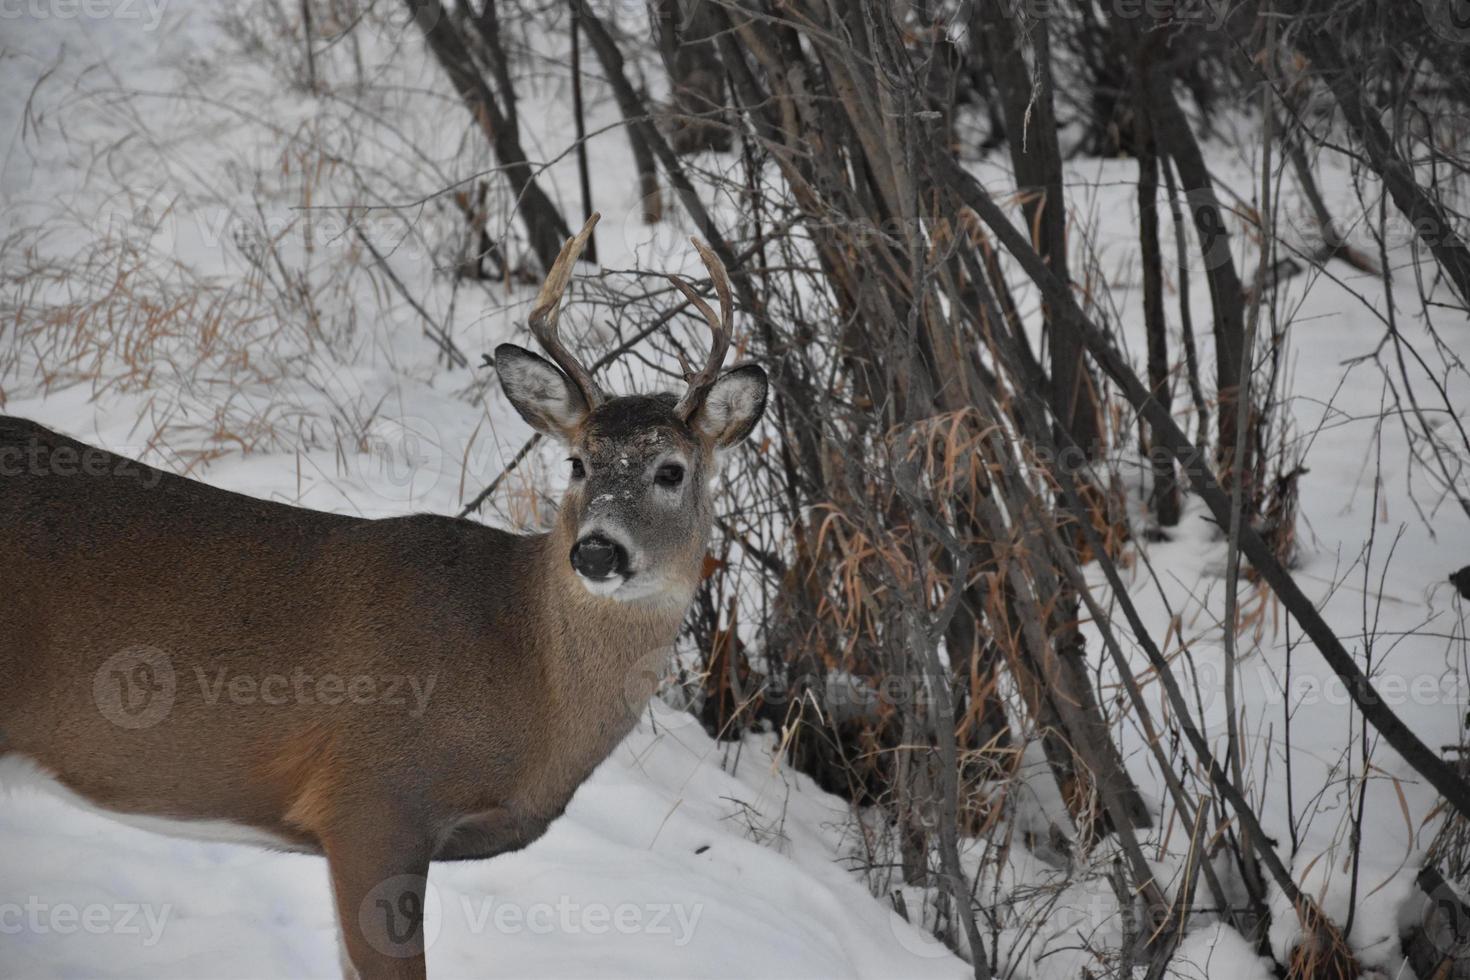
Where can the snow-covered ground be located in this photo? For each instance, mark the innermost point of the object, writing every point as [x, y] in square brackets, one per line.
[679, 857]
[1376, 543]
[670, 862]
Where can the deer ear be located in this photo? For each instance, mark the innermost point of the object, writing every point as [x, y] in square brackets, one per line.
[544, 396]
[732, 407]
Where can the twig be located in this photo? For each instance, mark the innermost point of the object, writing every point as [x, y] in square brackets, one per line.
[432, 330]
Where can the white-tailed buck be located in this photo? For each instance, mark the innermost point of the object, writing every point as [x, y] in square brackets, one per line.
[382, 692]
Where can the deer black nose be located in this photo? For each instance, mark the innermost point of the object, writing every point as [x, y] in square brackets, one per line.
[598, 557]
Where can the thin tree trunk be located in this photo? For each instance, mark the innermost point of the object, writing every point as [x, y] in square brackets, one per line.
[1173, 133]
[685, 40]
[308, 30]
[1031, 128]
[1164, 498]
[545, 228]
[584, 179]
[1186, 317]
[1425, 213]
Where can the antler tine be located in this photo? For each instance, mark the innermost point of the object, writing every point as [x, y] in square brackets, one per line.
[547, 311]
[701, 382]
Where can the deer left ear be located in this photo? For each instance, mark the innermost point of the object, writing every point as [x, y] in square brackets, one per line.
[732, 407]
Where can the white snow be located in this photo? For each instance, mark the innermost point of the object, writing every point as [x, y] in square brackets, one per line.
[671, 861]
[1218, 953]
[680, 857]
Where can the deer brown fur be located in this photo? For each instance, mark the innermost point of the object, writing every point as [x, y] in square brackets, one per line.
[518, 668]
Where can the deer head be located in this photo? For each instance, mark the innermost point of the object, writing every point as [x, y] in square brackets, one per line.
[638, 509]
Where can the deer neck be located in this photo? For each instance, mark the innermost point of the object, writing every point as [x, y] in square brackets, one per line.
[602, 652]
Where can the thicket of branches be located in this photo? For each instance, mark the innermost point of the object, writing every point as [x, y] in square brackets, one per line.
[898, 579]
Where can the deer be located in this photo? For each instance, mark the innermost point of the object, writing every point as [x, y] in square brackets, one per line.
[132, 595]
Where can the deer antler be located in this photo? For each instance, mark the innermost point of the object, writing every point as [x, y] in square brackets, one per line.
[547, 311]
[701, 381]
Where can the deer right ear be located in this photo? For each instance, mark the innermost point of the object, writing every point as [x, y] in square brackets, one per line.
[544, 396]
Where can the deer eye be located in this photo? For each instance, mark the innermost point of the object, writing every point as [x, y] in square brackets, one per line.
[669, 475]
[578, 470]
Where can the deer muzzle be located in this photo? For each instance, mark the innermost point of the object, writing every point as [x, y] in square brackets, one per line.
[598, 558]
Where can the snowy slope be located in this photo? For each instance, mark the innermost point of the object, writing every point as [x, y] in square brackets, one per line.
[665, 865]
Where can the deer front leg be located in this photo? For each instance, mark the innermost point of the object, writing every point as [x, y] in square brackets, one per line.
[379, 875]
